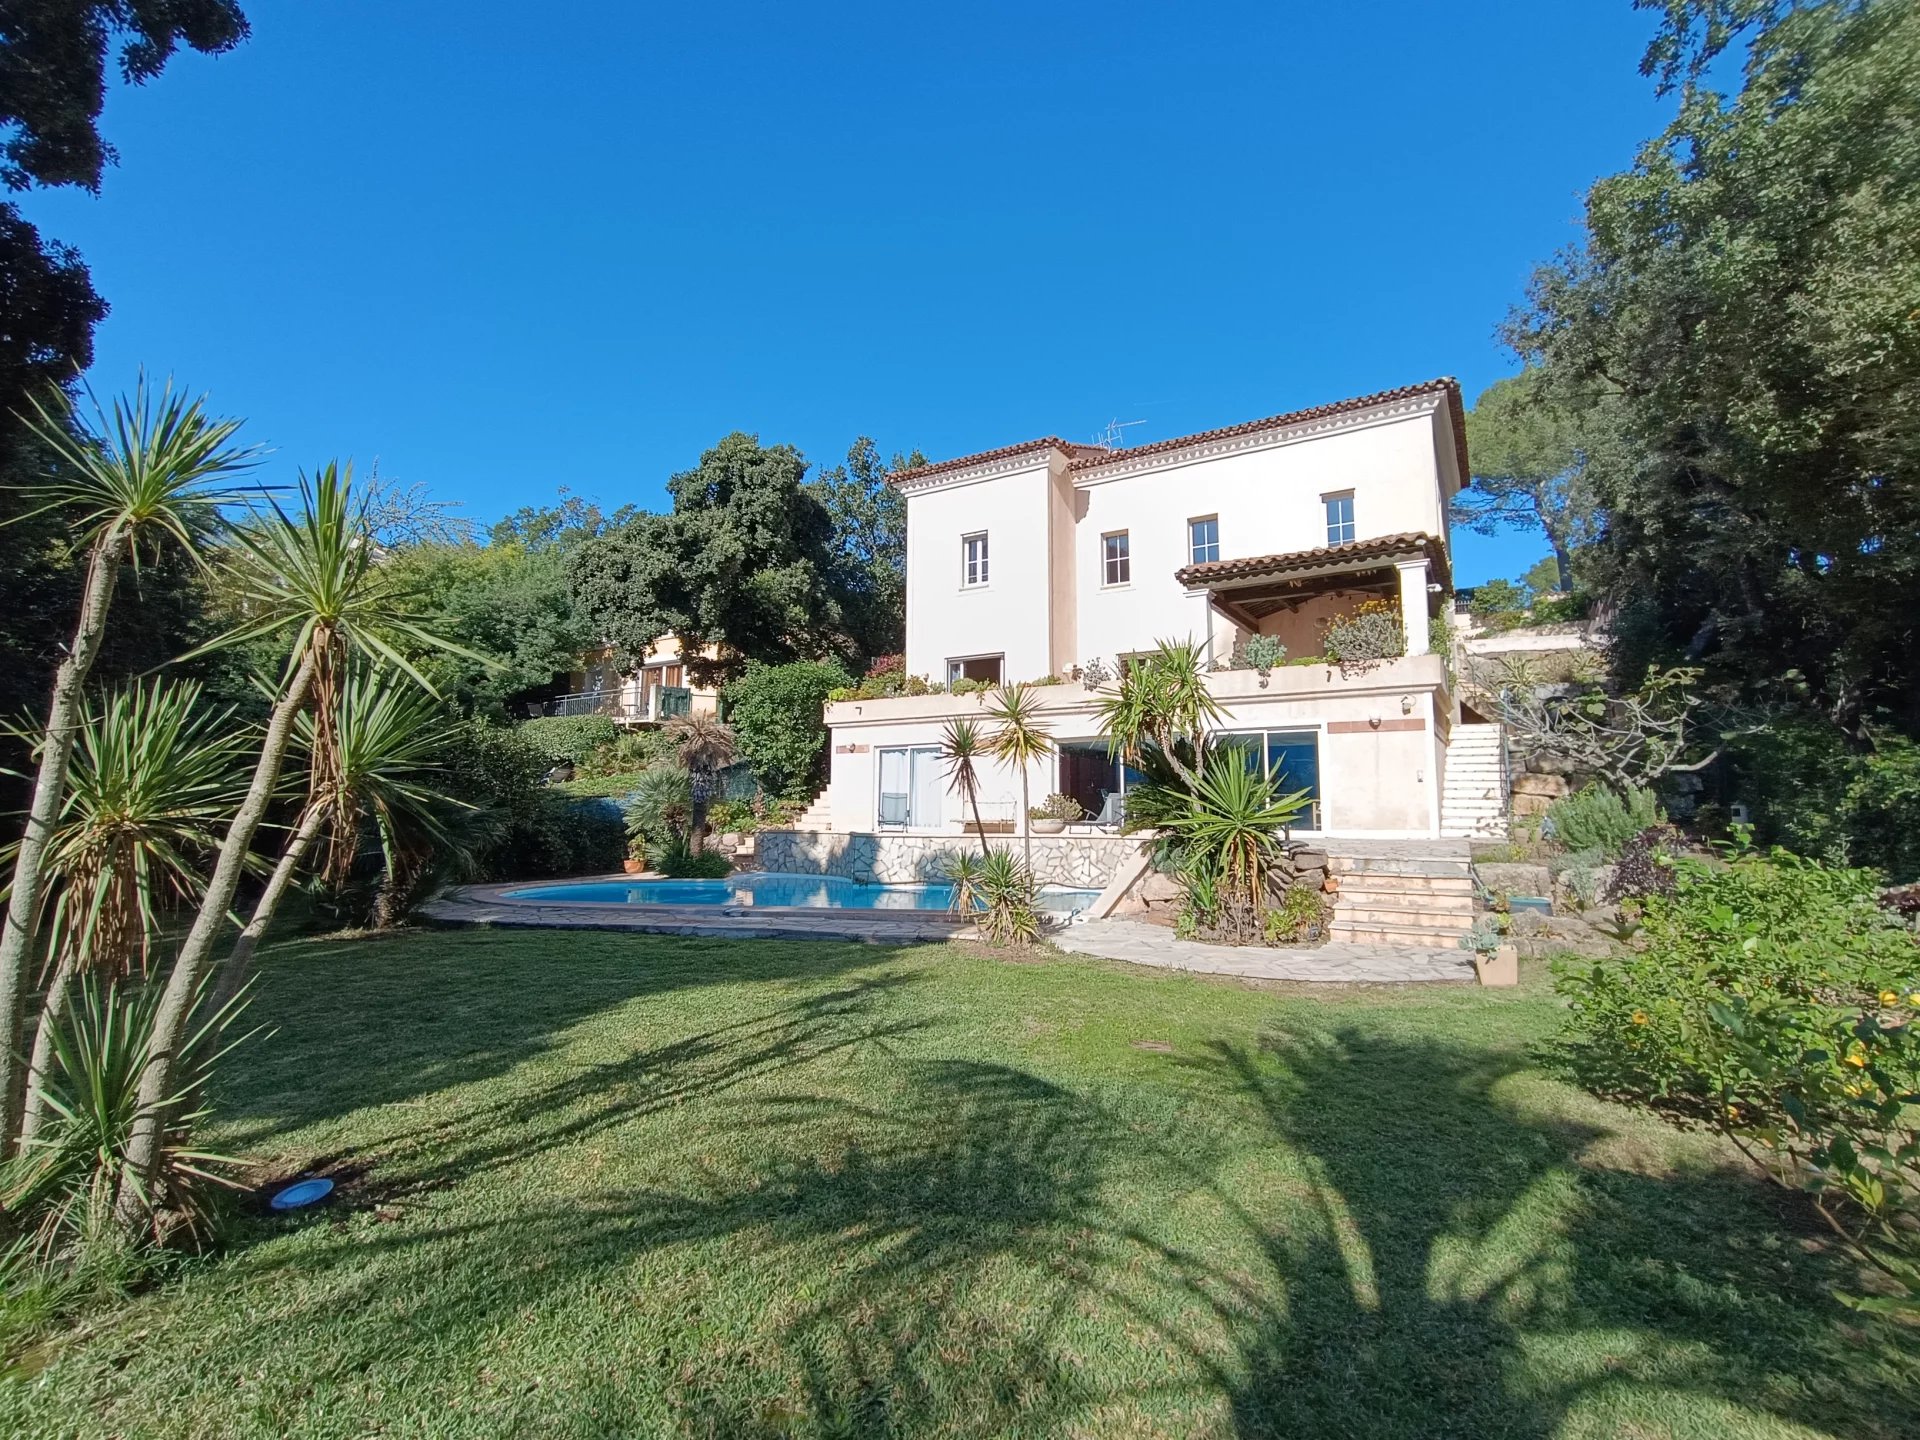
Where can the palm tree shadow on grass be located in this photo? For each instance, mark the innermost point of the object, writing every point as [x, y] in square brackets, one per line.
[1467, 1254]
[960, 1251]
[353, 1028]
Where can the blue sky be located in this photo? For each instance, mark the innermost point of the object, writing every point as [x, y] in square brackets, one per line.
[509, 248]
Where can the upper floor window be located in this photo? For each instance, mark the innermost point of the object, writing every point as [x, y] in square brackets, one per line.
[1203, 540]
[973, 559]
[1340, 518]
[1115, 560]
[985, 668]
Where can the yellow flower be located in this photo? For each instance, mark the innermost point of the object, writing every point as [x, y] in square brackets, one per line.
[1914, 999]
[1857, 1061]
[1639, 1017]
[1887, 997]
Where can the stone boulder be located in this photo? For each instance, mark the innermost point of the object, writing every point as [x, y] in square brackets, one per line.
[1508, 878]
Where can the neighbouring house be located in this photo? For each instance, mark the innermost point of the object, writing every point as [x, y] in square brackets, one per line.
[1040, 559]
[656, 689]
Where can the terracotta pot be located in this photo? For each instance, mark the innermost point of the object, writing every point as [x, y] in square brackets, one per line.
[634, 867]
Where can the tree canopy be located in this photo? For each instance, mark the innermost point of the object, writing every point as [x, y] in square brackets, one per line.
[751, 559]
[869, 545]
[1747, 305]
[1529, 456]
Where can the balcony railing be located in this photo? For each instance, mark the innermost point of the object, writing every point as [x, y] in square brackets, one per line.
[662, 702]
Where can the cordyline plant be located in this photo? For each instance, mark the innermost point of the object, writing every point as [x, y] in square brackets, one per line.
[148, 475]
[315, 578]
[391, 738]
[1162, 704]
[1019, 738]
[152, 781]
[962, 748]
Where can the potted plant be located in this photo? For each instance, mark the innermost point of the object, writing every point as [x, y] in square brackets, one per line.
[1054, 814]
[636, 861]
[1495, 962]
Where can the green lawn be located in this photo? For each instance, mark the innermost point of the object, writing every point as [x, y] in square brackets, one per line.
[629, 1186]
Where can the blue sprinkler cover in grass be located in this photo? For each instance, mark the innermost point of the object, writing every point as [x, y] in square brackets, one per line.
[306, 1192]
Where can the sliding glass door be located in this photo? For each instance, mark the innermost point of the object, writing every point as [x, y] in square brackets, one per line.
[912, 782]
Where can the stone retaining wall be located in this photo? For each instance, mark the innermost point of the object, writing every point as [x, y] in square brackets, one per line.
[1085, 862]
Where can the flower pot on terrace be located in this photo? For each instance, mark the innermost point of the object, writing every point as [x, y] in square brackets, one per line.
[1048, 827]
[634, 867]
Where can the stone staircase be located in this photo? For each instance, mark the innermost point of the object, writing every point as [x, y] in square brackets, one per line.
[1402, 892]
[817, 816]
[1474, 798]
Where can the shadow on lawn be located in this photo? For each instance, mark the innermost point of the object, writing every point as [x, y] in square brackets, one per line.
[988, 1252]
[380, 1021]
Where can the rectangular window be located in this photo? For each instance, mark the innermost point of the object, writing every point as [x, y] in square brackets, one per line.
[1203, 540]
[669, 674]
[975, 667]
[1116, 563]
[973, 559]
[911, 784]
[1339, 519]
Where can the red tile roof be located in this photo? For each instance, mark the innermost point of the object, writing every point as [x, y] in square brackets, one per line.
[1086, 457]
[1260, 567]
[1446, 385]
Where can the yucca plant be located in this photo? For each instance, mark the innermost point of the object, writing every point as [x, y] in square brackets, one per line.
[155, 776]
[1162, 702]
[150, 473]
[64, 1185]
[962, 870]
[313, 578]
[962, 748]
[1020, 738]
[391, 739]
[1228, 834]
[1009, 900]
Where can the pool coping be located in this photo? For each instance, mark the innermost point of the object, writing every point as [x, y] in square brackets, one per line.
[492, 905]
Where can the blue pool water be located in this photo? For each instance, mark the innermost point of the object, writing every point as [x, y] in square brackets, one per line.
[808, 892]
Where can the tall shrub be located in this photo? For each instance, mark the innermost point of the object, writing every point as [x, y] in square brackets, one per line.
[777, 716]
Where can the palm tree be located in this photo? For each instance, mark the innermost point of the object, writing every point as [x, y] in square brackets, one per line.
[1162, 701]
[145, 477]
[1020, 738]
[316, 577]
[706, 748]
[962, 749]
[392, 739]
[152, 780]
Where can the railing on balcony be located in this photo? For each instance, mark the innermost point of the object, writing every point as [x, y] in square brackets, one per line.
[662, 702]
[615, 704]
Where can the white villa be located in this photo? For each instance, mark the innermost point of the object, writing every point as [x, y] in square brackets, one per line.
[1033, 560]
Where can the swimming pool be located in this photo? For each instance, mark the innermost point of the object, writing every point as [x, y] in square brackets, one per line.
[802, 892]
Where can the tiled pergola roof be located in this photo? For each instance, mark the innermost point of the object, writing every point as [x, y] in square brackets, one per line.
[1322, 560]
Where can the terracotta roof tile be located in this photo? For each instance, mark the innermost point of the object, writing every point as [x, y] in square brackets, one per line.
[1446, 384]
[1087, 457]
[1258, 567]
[1005, 452]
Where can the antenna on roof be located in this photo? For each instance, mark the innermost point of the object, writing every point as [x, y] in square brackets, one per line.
[1111, 434]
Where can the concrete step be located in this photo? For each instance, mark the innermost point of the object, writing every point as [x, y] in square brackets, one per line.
[1438, 887]
[1344, 866]
[1407, 917]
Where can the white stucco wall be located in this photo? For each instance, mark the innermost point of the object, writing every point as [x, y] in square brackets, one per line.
[1382, 733]
[1009, 615]
[1268, 502]
[1046, 606]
